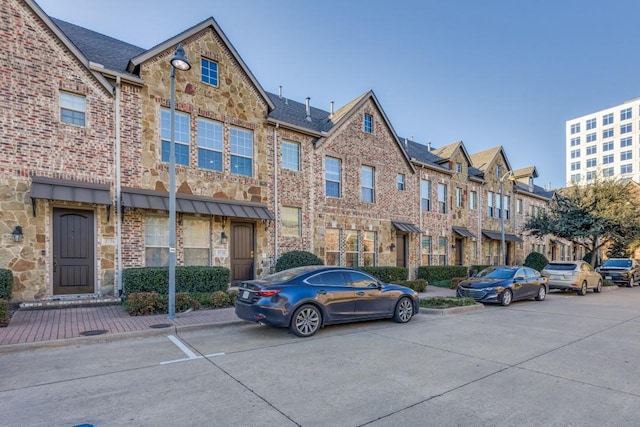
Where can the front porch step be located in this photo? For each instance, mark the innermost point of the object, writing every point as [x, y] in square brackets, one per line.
[70, 301]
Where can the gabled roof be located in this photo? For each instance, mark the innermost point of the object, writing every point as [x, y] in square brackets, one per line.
[528, 172]
[484, 159]
[448, 150]
[111, 53]
[535, 191]
[421, 154]
[171, 43]
[66, 41]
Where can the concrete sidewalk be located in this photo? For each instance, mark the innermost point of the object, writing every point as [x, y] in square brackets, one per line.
[31, 329]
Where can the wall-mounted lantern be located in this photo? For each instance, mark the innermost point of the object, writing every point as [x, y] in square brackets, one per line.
[17, 234]
[392, 247]
[223, 238]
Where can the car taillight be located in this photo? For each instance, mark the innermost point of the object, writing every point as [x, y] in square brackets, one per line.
[268, 293]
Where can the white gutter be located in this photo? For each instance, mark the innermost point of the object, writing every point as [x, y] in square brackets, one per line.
[118, 190]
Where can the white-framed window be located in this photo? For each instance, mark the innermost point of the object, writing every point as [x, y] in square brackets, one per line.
[591, 123]
[209, 71]
[575, 178]
[592, 149]
[156, 241]
[368, 123]
[332, 176]
[425, 195]
[442, 198]
[473, 200]
[626, 128]
[290, 155]
[367, 179]
[210, 145]
[506, 206]
[607, 133]
[626, 142]
[607, 119]
[369, 243]
[351, 258]
[196, 240]
[607, 146]
[575, 141]
[575, 166]
[291, 221]
[592, 137]
[591, 175]
[628, 168]
[625, 114]
[607, 172]
[626, 155]
[458, 167]
[241, 143]
[73, 109]
[443, 251]
[490, 210]
[575, 153]
[575, 128]
[607, 159]
[426, 251]
[332, 246]
[519, 206]
[458, 197]
[401, 182]
[592, 162]
[181, 136]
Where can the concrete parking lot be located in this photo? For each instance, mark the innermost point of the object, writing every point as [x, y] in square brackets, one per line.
[568, 360]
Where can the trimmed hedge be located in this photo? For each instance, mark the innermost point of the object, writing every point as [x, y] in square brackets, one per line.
[6, 284]
[438, 273]
[418, 285]
[4, 313]
[536, 261]
[188, 279]
[146, 303]
[297, 259]
[387, 274]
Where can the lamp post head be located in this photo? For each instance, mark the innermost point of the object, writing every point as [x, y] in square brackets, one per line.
[180, 60]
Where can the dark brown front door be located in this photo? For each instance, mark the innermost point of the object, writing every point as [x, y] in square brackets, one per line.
[459, 252]
[73, 252]
[242, 246]
[401, 251]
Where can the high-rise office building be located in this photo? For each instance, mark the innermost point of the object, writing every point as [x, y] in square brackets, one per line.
[605, 143]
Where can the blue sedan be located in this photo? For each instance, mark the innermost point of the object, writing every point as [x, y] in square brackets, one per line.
[304, 299]
[504, 284]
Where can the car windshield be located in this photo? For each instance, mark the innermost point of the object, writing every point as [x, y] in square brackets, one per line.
[566, 266]
[617, 263]
[497, 273]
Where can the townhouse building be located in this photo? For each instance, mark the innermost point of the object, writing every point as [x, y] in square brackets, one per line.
[84, 180]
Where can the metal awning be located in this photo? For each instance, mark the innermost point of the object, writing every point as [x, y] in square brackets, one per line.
[186, 203]
[496, 235]
[464, 232]
[70, 191]
[406, 227]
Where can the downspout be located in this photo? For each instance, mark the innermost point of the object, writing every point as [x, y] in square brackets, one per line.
[275, 193]
[118, 191]
[480, 214]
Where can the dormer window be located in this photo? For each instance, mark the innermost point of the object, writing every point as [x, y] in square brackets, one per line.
[368, 123]
[209, 71]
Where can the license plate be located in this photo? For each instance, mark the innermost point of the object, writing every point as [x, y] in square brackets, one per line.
[245, 295]
[607, 277]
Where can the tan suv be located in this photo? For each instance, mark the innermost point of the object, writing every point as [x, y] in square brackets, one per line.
[576, 276]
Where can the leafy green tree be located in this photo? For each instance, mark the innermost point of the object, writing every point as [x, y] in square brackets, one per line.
[593, 216]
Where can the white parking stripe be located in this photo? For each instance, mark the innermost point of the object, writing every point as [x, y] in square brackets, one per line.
[190, 354]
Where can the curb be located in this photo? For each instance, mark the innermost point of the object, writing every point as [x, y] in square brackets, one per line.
[452, 310]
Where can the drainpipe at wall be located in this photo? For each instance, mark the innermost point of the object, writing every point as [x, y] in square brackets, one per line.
[275, 194]
[480, 213]
[118, 190]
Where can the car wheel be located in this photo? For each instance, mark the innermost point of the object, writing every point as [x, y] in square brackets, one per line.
[630, 284]
[598, 288]
[507, 296]
[306, 321]
[583, 289]
[542, 293]
[404, 311]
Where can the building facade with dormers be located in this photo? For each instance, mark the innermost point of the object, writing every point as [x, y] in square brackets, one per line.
[85, 174]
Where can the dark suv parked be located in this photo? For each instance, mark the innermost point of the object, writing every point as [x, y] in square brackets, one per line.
[621, 271]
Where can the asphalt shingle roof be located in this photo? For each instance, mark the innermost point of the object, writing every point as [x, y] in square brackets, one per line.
[295, 113]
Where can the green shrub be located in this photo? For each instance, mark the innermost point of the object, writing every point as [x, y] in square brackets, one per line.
[6, 284]
[185, 301]
[455, 281]
[4, 313]
[439, 273]
[418, 285]
[536, 261]
[297, 259]
[220, 299]
[387, 274]
[145, 303]
[188, 279]
[233, 294]
[606, 282]
[446, 302]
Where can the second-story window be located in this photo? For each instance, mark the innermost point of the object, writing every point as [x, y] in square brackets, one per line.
[490, 204]
[519, 206]
[332, 176]
[209, 144]
[368, 123]
[473, 200]
[209, 72]
[241, 151]
[181, 136]
[401, 181]
[367, 177]
[442, 198]
[290, 156]
[73, 109]
[458, 197]
[425, 195]
[506, 202]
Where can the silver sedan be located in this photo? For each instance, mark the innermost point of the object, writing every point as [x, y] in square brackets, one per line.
[576, 276]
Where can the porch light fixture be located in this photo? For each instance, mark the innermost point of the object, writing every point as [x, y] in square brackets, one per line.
[223, 238]
[392, 247]
[180, 62]
[17, 234]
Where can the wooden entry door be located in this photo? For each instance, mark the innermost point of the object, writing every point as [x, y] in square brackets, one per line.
[73, 252]
[459, 251]
[242, 246]
[401, 250]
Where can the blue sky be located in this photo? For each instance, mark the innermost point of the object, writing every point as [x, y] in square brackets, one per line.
[489, 73]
